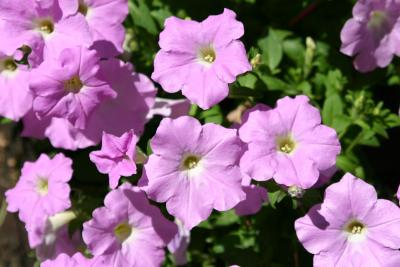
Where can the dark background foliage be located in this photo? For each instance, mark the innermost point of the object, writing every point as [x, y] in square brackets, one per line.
[294, 47]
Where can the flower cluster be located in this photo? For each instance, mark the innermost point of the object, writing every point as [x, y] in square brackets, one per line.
[71, 88]
[352, 227]
[40, 197]
[373, 34]
[61, 75]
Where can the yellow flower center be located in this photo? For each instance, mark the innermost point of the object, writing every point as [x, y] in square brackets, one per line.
[285, 144]
[42, 186]
[9, 65]
[122, 231]
[207, 54]
[46, 26]
[355, 228]
[73, 85]
[190, 162]
[83, 8]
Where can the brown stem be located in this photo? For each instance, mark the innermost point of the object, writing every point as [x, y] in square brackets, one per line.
[304, 13]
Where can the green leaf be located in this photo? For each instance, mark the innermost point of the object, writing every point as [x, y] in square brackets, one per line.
[5, 121]
[149, 151]
[243, 92]
[341, 122]
[276, 197]
[364, 125]
[305, 88]
[160, 15]
[215, 110]
[380, 129]
[218, 249]
[368, 138]
[227, 218]
[333, 106]
[273, 83]
[334, 82]
[218, 119]
[205, 225]
[141, 16]
[392, 120]
[248, 80]
[212, 115]
[295, 50]
[346, 164]
[272, 49]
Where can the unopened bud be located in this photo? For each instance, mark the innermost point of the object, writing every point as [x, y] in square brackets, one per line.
[295, 191]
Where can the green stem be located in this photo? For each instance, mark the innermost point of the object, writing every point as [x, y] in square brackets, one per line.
[354, 142]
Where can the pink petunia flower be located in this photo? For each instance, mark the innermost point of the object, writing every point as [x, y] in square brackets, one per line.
[42, 189]
[128, 231]
[351, 227]
[288, 143]
[398, 194]
[116, 157]
[179, 244]
[172, 108]
[41, 27]
[15, 97]
[65, 260]
[136, 94]
[104, 18]
[201, 58]
[373, 34]
[255, 197]
[69, 86]
[50, 237]
[194, 169]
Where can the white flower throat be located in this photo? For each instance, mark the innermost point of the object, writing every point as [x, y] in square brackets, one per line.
[73, 85]
[42, 186]
[207, 54]
[45, 26]
[123, 231]
[355, 231]
[8, 67]
[285, 144]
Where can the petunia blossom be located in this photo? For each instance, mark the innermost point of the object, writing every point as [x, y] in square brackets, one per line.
[179, 244]
[49, 236]
[172, 108]
[65, 260]
[194, 169]
[116, 157]
[352, 227]
[68, 86]
[42, 27]
[15, 97]
[136, 94]
[255, 198]
[373, 34]
[398, 194]
[201, 58]
[42, 189]
[255, 195]
[128, 231]
[288, 143]
[105, 18]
